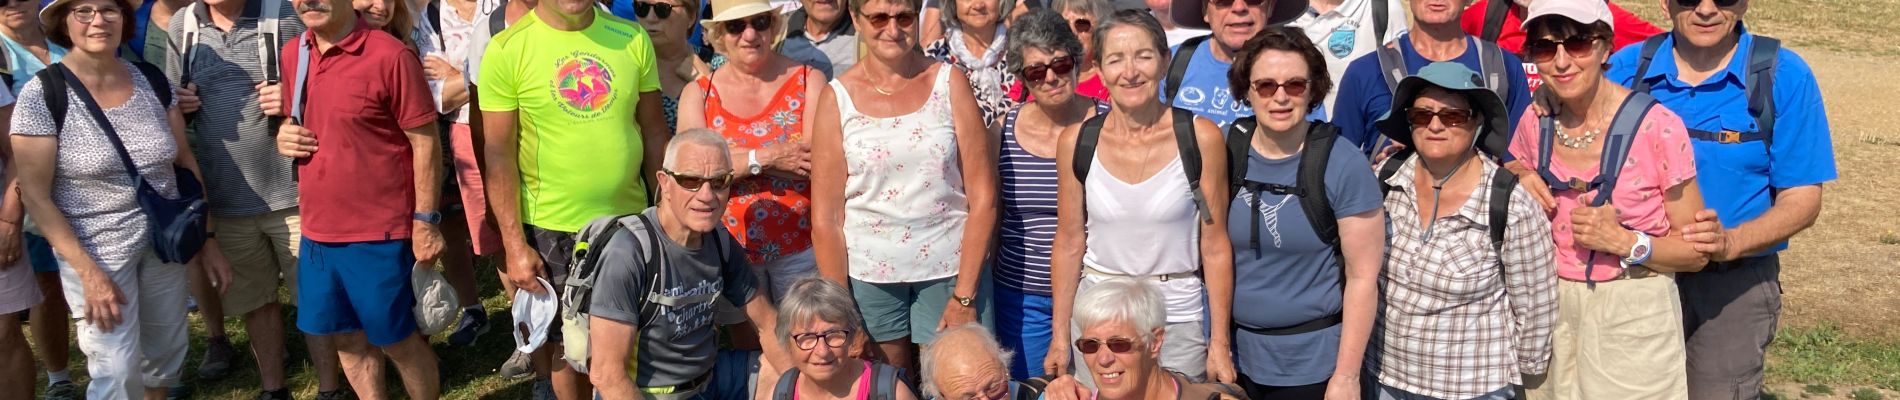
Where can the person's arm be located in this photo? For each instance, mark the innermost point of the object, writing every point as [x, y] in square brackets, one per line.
[1362, 240]
[1801, 159]
[653, 138]
[455, 93]
[765, 319]
[1065, 254]
[976, 156]
[827, 191]
[1600, 229]
[612, 342]
[216, 268]
[36, 158]
[12, 211]
[1530, 284]
[503, 182]
[424, 145]
[1794, 210]
[1217, 253]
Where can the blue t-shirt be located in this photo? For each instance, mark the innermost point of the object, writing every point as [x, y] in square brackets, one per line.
[1738, 180]
[1204, 88]
[1293, 278]
[25, 65]
[1364, 98]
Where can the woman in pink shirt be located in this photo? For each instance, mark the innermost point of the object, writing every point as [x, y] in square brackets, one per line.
[1619, 325]
[818, 323]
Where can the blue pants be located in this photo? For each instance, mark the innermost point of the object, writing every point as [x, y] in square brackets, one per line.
[348, 287]
[1022, 324]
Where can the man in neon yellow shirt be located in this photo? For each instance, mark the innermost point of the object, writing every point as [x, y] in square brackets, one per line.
[570, 105]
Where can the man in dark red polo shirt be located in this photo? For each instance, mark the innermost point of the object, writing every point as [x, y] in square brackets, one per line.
[362, 128]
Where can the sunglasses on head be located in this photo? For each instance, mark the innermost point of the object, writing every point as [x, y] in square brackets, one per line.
[1698, 3]
[1450, 116]
[642, 9]
[758, 23]
[1230, 3]
[1294, 87]
[1033, 74]
[1081, 25]
[879, 20]
[1543, 50]
[1119, 345]
[695, 183]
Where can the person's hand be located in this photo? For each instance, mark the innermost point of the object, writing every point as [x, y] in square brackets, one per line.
[1065, 388]
[1220, 364]
[1342, 388]
[439, 69]
[270, 98]
[791, 157]
[217, 268]
[1597, 228]
[1387, 152]
[296, 142]
[1544, 102]
[956, 314]
[187, 98]
[103, 299]
[1707, 236]
[523, 267]
[10, 248]
[426, 241]
[1533, 182]
[1056, 363]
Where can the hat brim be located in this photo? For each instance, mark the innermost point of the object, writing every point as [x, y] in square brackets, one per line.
[1189, 13]
[1496, 117]
[46, 12]
[737, 12]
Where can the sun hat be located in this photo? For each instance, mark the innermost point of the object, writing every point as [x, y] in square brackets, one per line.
[727, 10]
[1190, 13]
[436, 305]
[536, 312]
[1583, 11]
[1458, 79]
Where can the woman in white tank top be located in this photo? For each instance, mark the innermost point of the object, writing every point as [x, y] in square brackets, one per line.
[1135, 214]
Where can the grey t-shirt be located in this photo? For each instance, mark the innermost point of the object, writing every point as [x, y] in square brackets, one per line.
[680, 343]
[235, 144]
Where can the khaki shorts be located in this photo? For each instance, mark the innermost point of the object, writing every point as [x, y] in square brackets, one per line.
[262, 250]
[1619, 340]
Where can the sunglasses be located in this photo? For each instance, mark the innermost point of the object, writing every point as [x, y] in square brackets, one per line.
[835, 338]
[904, 20]
[759, 23]
[1698, 3]
[659, 10]
[1119, 345]
[694, 183]
[1450, 116]
[1082, 25]
[1250, 3]
[1293, 87]
[1543, 50]
[1033, 74]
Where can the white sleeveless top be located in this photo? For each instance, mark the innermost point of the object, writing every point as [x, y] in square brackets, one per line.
[1147, 228]
[904, 207]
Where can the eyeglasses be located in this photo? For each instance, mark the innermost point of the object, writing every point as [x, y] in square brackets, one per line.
[110, 14]
[693, 183]
[835, 338]
[1294, 87]
[1698, 3]
[1082, 25]
[904, 19]
[659, 10]
[1033, 74]
[1119, 345]
[1543, 50]
[1230, 3]
[759, 23]
[1450, 116]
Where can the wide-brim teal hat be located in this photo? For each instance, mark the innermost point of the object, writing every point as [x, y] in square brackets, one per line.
[1456, 78]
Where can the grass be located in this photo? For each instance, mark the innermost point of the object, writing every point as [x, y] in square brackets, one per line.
[1825, 355]
[1868, 394]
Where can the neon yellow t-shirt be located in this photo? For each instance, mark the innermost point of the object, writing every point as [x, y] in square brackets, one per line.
[575, 94]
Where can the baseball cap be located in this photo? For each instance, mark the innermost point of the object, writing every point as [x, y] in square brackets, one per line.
[1581, 11]
[533, 312]
[436, 304]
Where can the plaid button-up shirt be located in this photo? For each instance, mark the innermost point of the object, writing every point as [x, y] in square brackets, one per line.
[1458, 318]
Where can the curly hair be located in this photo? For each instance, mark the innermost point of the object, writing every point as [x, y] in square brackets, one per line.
[1040, 29]
[1280, 38]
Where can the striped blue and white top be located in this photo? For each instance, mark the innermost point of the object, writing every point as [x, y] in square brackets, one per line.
[1028, 223]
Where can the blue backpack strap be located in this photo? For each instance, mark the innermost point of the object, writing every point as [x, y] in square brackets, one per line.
[1762, 59]
[884, 382]
[1647, 55]
[1617, 143]
[786, 385]
[1178, 65]
[1547, 133]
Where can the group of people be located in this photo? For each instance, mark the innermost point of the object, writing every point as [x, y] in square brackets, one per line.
[889, 199]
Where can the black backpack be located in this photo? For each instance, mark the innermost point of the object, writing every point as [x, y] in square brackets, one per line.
[1760, 85]
[54, 90]
[1616, 149]
[1091, 135]
[883, 383]
[1309, 186]
[1178, 65]
[1494, 13]
[577, 293]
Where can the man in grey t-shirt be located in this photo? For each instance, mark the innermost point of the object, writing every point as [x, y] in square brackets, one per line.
[701, 263]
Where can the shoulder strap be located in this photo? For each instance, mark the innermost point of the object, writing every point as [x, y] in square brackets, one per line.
[1239, 140]
[6, 68]
[53, 89]
[650, 271]
[1392, 61]
[1762, 59]
[1648, 54]
[58, 75]
[155, 77]
[303, 75]
[786, 385]
[1178, 65]
[269, 46]
[1030, 389]
[1381, 17]
[1503, 182]
[1312, 183]
[1616, 144]
[1085, 142]
[189, 42]
[884, 377]
[498, 20]
[1190, 150]
[434, 13]
[1391, 168]
[1494, 14]
[1547, 133]
[1491, 60]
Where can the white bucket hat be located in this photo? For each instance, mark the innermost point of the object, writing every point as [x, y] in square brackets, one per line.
[436, 304]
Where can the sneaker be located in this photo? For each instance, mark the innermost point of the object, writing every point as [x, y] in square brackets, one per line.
[543, 389]
[279, 394]
[473, 325]
[338, 394]
[519, 366]
[62, 390]
[217, 362]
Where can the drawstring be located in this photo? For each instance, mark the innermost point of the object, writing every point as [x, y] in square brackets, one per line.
[1438, 188]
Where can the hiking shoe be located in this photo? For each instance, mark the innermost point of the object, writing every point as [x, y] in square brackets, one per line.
[279, 394]
[62, 390]
[543, 389]
[339, 394]
[473, 325]
[217, 362]
[519, 366]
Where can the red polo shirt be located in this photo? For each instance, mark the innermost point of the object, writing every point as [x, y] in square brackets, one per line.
[358, 98]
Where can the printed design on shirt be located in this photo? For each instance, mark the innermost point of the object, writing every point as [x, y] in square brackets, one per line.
[1342, 40]
[689, 317]
[1215, 100]
[1269, 214]
[583, 85]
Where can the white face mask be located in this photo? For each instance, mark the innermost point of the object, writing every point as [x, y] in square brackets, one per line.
[537, 311]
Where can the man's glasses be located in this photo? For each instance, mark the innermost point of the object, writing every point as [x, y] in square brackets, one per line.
[1119, 345]
[1450, 116]
[1293, 87]
[835, 338]
[904, 19]
[1543, 50]
[1033, 74]
[758, 23]
[1230, 3]
[84, 15]
[1698, 3]
[659, 10]
[694, 183]
[1082, 25]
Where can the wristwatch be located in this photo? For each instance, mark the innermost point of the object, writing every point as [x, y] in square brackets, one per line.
[752, 162]
[964, 301]
[1639, 252]
[432, 217]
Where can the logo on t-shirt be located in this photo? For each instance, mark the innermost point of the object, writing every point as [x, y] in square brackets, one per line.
[583, 85]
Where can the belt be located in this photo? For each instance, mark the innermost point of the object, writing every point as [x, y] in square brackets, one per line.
[1735, 264]
[1162, 277]
[677, 392]
[1303, 327]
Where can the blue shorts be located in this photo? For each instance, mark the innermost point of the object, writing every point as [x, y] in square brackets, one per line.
[1022, 324]
[349, 287]
[39, 252]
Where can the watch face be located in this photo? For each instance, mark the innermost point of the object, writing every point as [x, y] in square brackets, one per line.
[1642, 251]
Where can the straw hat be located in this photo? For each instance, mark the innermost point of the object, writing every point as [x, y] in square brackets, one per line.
[727, 10]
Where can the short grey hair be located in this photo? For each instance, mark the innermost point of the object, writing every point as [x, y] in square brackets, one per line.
[1132, 301]
[1097, 10]
[817, 299]
[986, 341]
[1139, 18]
[695, 136]
[947, 11]
[1040, 29]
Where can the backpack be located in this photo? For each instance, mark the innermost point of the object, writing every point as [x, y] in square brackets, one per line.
[1178, 65]
[268, 49]
[1494, 13]
[577, 293]
[1759, 84]
[1191, 390]
[1029, 389]
[1497, 211]
[6, 68]
[1616, 150]
[498, 19]
[883, 383]
[1309, 186]
[55, 90]
[1490, 64]
[1183, 138]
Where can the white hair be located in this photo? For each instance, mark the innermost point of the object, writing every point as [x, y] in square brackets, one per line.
[1131, 301]
[986, 343]
[696, 136]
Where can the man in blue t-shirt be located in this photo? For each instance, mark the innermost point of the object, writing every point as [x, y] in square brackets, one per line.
[1763, 182]
[1203, 89]
[1436, 36]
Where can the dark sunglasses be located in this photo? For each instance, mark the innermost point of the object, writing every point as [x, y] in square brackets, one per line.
[1293, 87]
[641, 9]
[835, 338]
[1119, 345]
[1543, 50]
[1033, 74]
[1450, 116]
[1698, 3]
[694, 183]
[1230, 3]
[904, 19]
[1081, 25]
[759, 23]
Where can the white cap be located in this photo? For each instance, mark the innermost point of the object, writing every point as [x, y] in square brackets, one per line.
[1582, 11]
[536, 312]
[436, 305]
